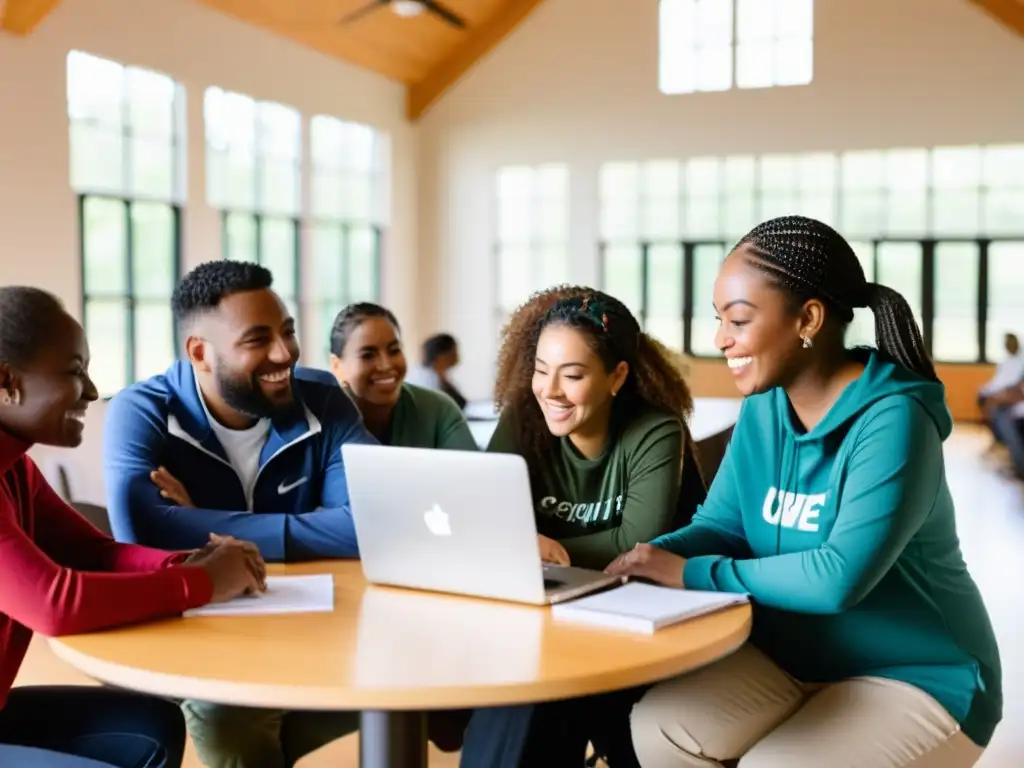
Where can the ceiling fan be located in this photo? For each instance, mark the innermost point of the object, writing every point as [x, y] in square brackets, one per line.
[407, 8]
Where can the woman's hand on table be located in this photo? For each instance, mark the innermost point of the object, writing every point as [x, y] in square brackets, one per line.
[170, 487]
[551, 551]
[647, 562]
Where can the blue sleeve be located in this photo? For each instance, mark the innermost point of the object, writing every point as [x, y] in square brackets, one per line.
[892, 480]
[135, 441]
[717, 526]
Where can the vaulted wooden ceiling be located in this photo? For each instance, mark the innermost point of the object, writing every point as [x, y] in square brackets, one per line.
[422, 51]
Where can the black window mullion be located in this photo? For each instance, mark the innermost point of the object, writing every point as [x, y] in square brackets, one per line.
[645, 268]
[178, 267]
[378, 248]
[927, 292]
[983, 300]
[129, 247]
[258, 220]
[687, 249]
[346, 264]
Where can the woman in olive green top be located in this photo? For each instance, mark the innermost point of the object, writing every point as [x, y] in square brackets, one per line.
[598, 410]
[368, 362]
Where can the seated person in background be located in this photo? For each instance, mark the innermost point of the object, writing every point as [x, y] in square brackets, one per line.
[367, 361]
[440, 355]
[60, 575]
[599, 410]
[1005, 413]
[228, 442]
[1008, 376]
[831, 510]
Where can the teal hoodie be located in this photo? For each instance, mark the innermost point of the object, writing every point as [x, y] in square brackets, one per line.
[845, 539]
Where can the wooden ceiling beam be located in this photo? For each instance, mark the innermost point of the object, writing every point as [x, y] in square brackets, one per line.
[21, 17]
[421, 95]
[1008, 12]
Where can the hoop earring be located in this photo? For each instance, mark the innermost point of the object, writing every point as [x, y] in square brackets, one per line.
[807, 343]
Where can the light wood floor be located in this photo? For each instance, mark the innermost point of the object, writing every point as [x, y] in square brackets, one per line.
[990, 511]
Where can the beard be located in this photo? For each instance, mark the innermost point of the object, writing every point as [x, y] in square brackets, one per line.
[242, 391]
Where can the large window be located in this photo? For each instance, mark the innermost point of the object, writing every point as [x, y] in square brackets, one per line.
[254, 155]
[127, 166]
[533, 231]
[350, 206]
[715, 45]
[942, 226]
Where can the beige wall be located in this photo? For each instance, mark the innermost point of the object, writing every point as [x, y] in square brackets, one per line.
[577, 83]
[199, 48]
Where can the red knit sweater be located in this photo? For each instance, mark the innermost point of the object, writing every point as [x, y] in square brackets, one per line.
[59, 575]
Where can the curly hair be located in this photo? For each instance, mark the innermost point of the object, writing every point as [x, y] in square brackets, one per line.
[809, 260]
[615, 336]
[27, 317]
[203, 289]
[351, 317]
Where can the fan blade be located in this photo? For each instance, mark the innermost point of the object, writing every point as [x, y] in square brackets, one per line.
[357, 14]
[444, 13]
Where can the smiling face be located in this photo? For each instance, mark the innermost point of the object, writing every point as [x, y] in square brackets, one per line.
[573, 387]
[372, 364]
[759, 332]
[244, 353]
[54, 389]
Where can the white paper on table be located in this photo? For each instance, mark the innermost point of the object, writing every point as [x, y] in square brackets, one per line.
[285, 594]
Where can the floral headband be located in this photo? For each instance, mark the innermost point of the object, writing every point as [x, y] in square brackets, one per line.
[590, 306]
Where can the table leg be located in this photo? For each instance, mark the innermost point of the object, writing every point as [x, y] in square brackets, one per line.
[392, 739]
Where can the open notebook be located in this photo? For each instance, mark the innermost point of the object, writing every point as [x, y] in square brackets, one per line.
[643, 608]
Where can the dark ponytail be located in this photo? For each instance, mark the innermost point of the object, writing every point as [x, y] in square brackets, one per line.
[810, 260]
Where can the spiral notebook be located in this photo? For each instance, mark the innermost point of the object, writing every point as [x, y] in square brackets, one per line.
[644, 608]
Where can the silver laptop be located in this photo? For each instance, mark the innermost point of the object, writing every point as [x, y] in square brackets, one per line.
[454, 521]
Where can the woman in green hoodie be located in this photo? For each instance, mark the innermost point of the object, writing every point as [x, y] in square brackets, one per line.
[871, 643]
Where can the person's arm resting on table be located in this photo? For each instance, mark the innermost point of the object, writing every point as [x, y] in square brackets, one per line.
[135, 443]
[38, 590]
[892, 480]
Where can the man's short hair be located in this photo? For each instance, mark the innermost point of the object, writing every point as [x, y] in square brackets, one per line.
[202, 289]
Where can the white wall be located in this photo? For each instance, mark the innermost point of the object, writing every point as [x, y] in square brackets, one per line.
[198, 47]
[577, 83]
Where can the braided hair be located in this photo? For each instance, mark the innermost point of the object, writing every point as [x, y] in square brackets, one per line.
[615, 336]
[809, 260]
[351, 317]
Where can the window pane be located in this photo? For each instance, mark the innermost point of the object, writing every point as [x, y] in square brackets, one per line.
[1003, 166]
[907, 214]
[739, 215]
[106, 326]
[514, 213]
[237, 118]
[622, 276]
[955, 325]
[154, 338]
[514, 264]
[863, 213]
[328, 262]
[755, 64]
[861, 332]
[956, 168]
[754, 20]
[1005, 296]
[899, 267]
[95, 89]
[363, 270]
[677, 67]
[240, 237]
[153, 169]
[661, 180]
[1003, 212]
[154, 257]
[105, 237]
[714, 68]
[550, 266]
[778, 173]
[794, 62]
[794, 18]
[277, 253]
[279, 186]
[956, 212]
[358, 147]
[97, 159]
[279, 131]
[327, 194]
[240, 182]
[661, 219]
[702, 217]
[714, 22]
[665, 295]
[706, 261]
[907, 169]
[863, 170]
[151, 105]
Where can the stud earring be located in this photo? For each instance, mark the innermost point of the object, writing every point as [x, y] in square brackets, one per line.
[807, 343]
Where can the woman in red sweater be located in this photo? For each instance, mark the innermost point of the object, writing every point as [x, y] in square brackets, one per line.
[60, 575]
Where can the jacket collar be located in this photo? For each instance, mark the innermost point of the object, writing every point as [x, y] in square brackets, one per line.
[11, 449]
[189, 418]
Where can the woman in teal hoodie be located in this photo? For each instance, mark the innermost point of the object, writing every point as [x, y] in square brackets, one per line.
[871, 644]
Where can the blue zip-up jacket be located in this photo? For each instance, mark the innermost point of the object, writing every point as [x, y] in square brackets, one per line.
[300, 507]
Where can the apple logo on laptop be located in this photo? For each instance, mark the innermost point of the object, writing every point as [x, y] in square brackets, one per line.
[437, 521]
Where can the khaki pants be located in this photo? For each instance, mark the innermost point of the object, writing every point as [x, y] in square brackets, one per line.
[243, 737]
[745, 707]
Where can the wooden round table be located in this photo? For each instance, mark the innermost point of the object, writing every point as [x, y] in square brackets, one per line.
[392, 654]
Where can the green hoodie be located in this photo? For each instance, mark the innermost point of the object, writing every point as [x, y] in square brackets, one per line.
[845, 539]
